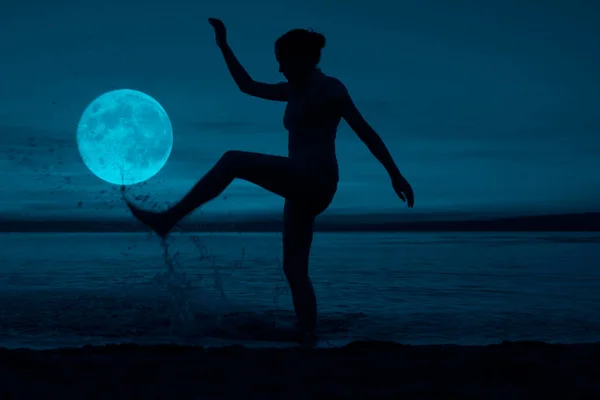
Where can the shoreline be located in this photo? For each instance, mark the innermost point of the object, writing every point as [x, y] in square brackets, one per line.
[575, 222]
[361, 369]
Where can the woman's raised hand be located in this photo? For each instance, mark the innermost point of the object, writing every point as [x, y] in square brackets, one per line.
[220, 31]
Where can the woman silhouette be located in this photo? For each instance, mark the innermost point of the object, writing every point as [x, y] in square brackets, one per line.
[307, 179]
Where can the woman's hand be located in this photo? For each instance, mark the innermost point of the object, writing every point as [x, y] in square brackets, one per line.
[403, 189]
[220, 31]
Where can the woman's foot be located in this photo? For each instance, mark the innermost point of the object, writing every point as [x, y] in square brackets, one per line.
[306, 337]
[157, 221]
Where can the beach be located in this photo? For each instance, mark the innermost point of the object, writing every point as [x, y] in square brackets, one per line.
[367, 369]
[457, 316]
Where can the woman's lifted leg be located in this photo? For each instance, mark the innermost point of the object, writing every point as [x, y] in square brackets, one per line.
[274, 173]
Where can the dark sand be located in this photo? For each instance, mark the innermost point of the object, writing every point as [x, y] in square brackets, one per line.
[522, 370]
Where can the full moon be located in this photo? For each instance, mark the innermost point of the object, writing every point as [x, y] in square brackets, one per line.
[124, 137]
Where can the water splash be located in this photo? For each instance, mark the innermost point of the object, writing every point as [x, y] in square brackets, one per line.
[183, 317]
[177, 284]
[223, 319]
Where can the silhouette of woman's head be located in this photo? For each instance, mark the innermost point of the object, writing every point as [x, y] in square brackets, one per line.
[298, 52]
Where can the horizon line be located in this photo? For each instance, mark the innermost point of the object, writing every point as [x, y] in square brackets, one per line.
[581, 222]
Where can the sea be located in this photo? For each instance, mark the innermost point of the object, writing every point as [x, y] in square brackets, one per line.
[216, 289]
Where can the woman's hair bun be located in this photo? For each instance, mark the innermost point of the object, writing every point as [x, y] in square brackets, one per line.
[318, 39]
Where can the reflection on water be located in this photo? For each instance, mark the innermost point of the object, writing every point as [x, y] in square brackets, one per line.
[466, 288]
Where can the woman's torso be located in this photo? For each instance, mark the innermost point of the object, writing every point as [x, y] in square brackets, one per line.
[311, 117]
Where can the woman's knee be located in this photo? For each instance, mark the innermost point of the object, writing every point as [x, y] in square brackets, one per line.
[230, 160]
[231, 155]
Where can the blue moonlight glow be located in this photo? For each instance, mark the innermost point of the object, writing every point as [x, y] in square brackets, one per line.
[124, 137]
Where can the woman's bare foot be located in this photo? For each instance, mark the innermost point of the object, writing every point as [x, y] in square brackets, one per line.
[306, 337]
[157, 221]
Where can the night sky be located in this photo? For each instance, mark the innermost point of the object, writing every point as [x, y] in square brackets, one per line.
[485, 105]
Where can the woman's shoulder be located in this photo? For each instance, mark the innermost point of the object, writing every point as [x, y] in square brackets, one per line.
[333, 85]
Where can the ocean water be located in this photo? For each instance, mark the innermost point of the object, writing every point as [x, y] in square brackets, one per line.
[223, 288]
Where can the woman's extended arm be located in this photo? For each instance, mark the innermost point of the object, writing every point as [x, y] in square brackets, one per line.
[276, 92]
[368, 135]
[376, 146]
[268, 91]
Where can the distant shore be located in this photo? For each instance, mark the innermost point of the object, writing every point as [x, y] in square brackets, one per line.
[581, 222]
[360, 370]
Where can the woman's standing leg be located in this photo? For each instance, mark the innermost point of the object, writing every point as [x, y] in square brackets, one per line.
[298, 224]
